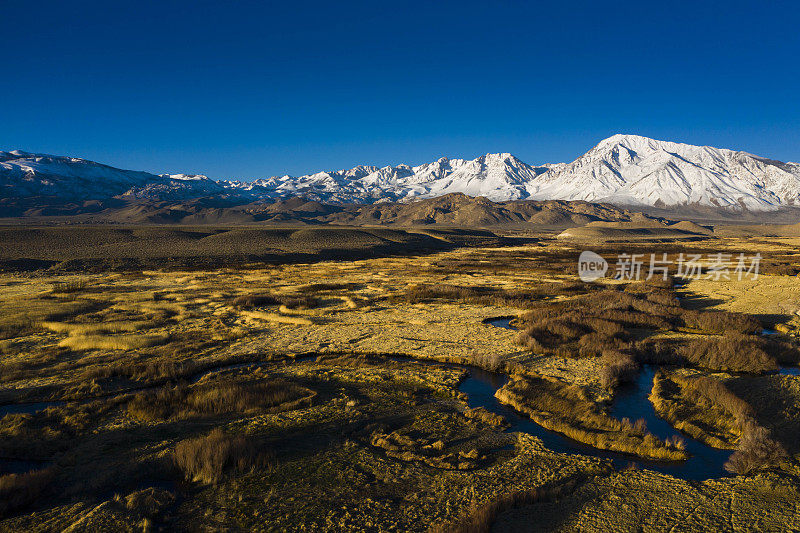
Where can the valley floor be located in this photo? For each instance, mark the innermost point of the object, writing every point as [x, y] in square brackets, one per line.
[330, 396]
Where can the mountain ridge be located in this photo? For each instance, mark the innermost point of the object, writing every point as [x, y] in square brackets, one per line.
[626, 170]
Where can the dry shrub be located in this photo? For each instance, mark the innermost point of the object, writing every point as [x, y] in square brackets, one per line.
[480, 517]
[150, 501]
[351, 303]
[249, 301]
[252, 301]
[554, 334]
[638, 426]
[326, 286]
[570, 335]
[294, 311]
[591, 323]
[229, 396]
[13, 327]
[160, 405]
[520, 298]
[664, 297]
[549, 395]
[69, 287]
[524, 338]
[421, 293]
[608, 299]
[638, 319]
[732, 352]
[785, 352]
[717, 393]
[138, 370]
[604, 327]
[298, 302]
[657, 352]
[215, 398]
[206, 459]
[492, 361]
[566, 329]
[705, 403]
[657, 309]
[49, 431]
[779, 268]
[756, 451]
[21, 490]
[619, 368]
[595, 343]
[676, 441]
[612, 319]
[720, 322]
[543, 337]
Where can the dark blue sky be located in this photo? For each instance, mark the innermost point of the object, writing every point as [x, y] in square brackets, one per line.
[250, 89]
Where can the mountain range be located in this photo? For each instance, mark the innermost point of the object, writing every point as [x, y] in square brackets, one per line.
[624, 170]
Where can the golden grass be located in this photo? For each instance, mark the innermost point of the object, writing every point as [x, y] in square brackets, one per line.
[94, 329]
[219, 398]
[284, 310]
[564, 409]
[21, 316]
[274, 317]
[676, 401]
[116, 342]
[206, 459]
[708, 405]
[164, 309]
[445, 326]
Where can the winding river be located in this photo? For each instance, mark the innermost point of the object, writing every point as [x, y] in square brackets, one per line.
[630, 401]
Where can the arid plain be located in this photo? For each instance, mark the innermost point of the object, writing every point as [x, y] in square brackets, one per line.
[433, 380]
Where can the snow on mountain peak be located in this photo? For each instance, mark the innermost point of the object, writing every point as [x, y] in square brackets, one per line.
[636, 170]
[622, 169]
[184, 177]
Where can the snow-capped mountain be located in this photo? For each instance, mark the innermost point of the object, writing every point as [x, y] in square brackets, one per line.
[26, 175]
[494, 176]
[634, 170]
[623, 170]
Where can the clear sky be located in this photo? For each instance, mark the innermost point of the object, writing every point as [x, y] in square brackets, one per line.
[252, 89]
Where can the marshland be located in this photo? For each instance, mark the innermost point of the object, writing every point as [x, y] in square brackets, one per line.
[399, 380]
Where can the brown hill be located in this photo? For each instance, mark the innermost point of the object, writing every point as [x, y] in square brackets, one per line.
[639, 228]
[456, 210]
[101, 247]
[691, 227]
